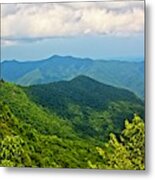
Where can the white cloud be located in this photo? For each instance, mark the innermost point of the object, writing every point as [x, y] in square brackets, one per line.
[8, 42]
[28, 21]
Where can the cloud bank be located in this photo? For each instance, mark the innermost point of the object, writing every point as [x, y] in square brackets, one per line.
[32, 22]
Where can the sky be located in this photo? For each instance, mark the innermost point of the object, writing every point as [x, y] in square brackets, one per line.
[98, 30]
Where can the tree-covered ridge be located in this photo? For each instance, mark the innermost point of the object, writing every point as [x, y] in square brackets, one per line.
[93, 108]
[83, 91]
[129, 75]
[33, 136]
[45, 139]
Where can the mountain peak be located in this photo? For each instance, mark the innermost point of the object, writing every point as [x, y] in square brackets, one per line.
[11, 61]
[67, 57]
[55, 56]
[83, 78]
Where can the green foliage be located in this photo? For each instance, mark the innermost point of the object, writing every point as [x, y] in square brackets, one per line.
[127, 152]
[134, 139]
[93, 112]
[13, 152]
[35, 136]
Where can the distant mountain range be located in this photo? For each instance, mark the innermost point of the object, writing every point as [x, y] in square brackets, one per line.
[129, 75]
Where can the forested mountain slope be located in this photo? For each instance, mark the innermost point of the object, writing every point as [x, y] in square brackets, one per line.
[93, 108]
[32, 137]
[36, 135]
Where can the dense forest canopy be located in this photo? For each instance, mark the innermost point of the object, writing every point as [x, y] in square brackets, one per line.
[80, 134]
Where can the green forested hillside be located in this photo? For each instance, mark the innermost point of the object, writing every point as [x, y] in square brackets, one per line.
[35, 135]
[94, 109]
[30, 136]
[129, 75]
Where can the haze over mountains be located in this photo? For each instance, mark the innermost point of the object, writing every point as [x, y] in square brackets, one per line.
[128, 75]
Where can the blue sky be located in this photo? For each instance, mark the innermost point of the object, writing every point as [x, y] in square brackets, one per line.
[98, 47]
[95, 30]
